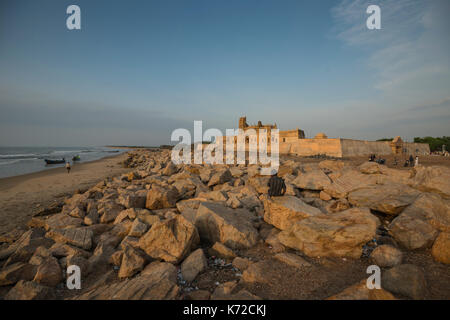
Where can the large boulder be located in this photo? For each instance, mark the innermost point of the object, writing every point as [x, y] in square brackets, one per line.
[341, 234]
[432, 179]
[160, 198]
[405, 279]
[312, 180]
[419, 224]
[217, 223]
[220, 178]
[193, 265]
[132, 262]
[79, 237]
[441, 248]
[350, 180]
[386, 256]
[390, 199]
[170, 240]
[15, 272]
[29, 290]
[282, 212]
[360, 291]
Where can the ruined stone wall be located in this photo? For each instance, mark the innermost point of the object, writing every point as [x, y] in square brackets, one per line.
[364, 148]
[417, 148]
[311, 147]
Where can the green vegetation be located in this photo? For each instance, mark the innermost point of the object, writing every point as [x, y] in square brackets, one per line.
[435, 143]
[386, 139]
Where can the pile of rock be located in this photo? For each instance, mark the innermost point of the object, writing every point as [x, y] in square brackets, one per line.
[145, 234]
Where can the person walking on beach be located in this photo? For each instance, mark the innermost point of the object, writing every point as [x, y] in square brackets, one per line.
[68, 167]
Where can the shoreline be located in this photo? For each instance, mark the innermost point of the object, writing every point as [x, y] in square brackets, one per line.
[9, 182]
[21, 195]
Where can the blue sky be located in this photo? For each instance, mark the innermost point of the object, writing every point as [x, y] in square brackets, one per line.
[140, 69]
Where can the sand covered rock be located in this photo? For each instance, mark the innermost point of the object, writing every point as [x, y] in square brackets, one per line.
[360, 291]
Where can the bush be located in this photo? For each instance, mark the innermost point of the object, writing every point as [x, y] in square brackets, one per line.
[434, 143]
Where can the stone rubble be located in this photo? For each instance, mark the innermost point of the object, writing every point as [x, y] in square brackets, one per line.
[159, 231]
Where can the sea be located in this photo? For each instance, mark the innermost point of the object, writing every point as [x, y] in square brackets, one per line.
[16, 161]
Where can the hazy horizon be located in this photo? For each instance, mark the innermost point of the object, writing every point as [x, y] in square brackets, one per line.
[137, 71]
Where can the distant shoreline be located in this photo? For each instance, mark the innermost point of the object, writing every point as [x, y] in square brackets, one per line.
[8, 182]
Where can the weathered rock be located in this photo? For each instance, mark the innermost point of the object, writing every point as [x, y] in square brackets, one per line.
[386, 256]
[79, 237]
[282, 212]
[432, 179]
[390, 199]
[217, 223]
[419, 224]
[170, 169]
[15, 272]
[257, 272]
[29, 290]
[49, 273]
[193, 265]
[331, 165]
[241, 263]
[220, 178]
[325, 196]
[405, 279]
[171, 240]
[348, 181]
[160, 198]
[132, 263]
[221, 251]
[92, 217]
[261, 184]
[133, 199]
[138, 288]
[441, 248]
[109, 211]
[370, 168]
[292, 260]
[342, 234]
[160, 270]
[360, 291]
[138, 229]
[62, 221]
[312, 180]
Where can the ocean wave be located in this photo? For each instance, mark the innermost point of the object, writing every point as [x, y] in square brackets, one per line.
[18, 156]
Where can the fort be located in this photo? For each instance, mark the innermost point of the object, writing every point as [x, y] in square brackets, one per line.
[294, 142]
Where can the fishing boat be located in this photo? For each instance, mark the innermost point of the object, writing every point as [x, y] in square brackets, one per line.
[76, 158]
[59, 161]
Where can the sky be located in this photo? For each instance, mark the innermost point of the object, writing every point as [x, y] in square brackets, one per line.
[137, 70]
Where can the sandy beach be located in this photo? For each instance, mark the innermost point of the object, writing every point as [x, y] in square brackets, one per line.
[20, 196]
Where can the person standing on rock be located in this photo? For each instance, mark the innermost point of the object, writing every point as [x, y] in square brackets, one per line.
[277, 187]
[68, 167]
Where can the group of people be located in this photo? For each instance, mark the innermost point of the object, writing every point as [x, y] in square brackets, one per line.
[411, 162]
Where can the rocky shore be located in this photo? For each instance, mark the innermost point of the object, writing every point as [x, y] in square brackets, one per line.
[165, 231]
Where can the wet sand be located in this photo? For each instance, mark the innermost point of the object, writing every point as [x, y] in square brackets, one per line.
[21, 196]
